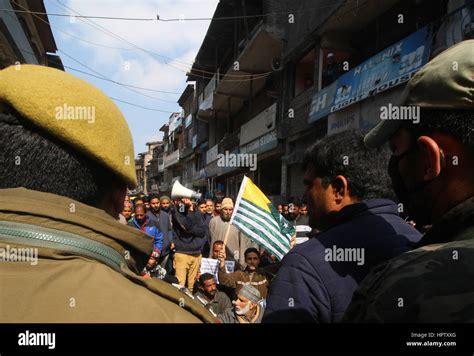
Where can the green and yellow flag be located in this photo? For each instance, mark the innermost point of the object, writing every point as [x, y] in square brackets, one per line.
[258, 219]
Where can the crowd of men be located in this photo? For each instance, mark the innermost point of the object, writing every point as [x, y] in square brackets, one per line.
[362, 216]
[184, 231]
[386, 233]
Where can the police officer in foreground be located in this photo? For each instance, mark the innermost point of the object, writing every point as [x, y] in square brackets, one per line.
[432, 170]
[67, 159]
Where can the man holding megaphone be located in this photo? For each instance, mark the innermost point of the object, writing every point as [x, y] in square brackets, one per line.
[190, 234]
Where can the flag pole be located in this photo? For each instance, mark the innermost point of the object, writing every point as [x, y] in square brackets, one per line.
[226, 235]
[237, 202]
[225, 238]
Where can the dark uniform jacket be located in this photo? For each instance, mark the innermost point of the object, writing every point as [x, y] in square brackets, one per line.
[87, 268]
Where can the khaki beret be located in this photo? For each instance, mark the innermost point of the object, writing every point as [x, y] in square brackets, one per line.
[446, 82]
[74, 112]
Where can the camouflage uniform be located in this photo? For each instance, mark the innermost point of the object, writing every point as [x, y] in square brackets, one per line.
[432, 283]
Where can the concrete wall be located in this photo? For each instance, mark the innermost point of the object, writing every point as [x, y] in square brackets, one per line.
[308, 16]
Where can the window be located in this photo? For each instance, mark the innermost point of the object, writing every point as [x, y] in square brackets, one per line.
[332, 65]
[304, 72]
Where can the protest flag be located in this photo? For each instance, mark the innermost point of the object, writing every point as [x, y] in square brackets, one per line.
[258, 219]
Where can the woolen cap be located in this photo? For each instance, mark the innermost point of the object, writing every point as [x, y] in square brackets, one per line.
[250, 292]
[227, 203]
[74, 112]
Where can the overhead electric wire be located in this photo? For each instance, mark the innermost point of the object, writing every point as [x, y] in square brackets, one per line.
[105, 77]
[142, 107]
[158, 18]
[113, 81]
[128, 87]
[122, 39]
[119, 100]
[93, 43]
[252, 76]
[153, 54]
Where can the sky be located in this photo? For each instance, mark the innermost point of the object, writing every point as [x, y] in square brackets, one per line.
[149, 54]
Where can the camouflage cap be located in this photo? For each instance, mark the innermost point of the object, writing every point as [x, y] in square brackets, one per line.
[446, 82]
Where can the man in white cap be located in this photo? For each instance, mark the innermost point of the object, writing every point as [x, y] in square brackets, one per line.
[247, 308]
[331, 70]
[236, 243]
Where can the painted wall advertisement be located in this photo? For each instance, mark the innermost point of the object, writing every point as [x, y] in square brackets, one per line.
[394, 65]
[389, 68]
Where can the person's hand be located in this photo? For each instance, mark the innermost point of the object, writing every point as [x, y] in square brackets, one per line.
[222, 256]
[293, 241]
[172, 246]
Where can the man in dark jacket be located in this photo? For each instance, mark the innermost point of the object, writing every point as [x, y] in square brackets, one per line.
[163, 220]
[432, 168]
[190, 234]
[299, 221]
[209, 214]
[344, 183]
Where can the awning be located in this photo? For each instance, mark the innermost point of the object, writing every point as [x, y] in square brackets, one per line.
[237, 85]
[351, 17]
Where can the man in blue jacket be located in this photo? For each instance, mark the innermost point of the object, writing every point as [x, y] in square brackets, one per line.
[163, 220]
[347, 189]
[141, 222]
[190, 234]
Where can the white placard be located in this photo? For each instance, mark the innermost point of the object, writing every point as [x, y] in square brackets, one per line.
[230, 266]
[210, 265]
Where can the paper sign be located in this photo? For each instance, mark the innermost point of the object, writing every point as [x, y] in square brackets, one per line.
[230, 266]
[209, 265]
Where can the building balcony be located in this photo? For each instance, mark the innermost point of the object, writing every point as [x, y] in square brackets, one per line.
[171, 159]
[225, 96]
[238, 84]
[206, 98]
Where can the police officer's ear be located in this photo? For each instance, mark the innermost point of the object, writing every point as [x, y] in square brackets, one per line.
[112, 198]
[431, 157]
